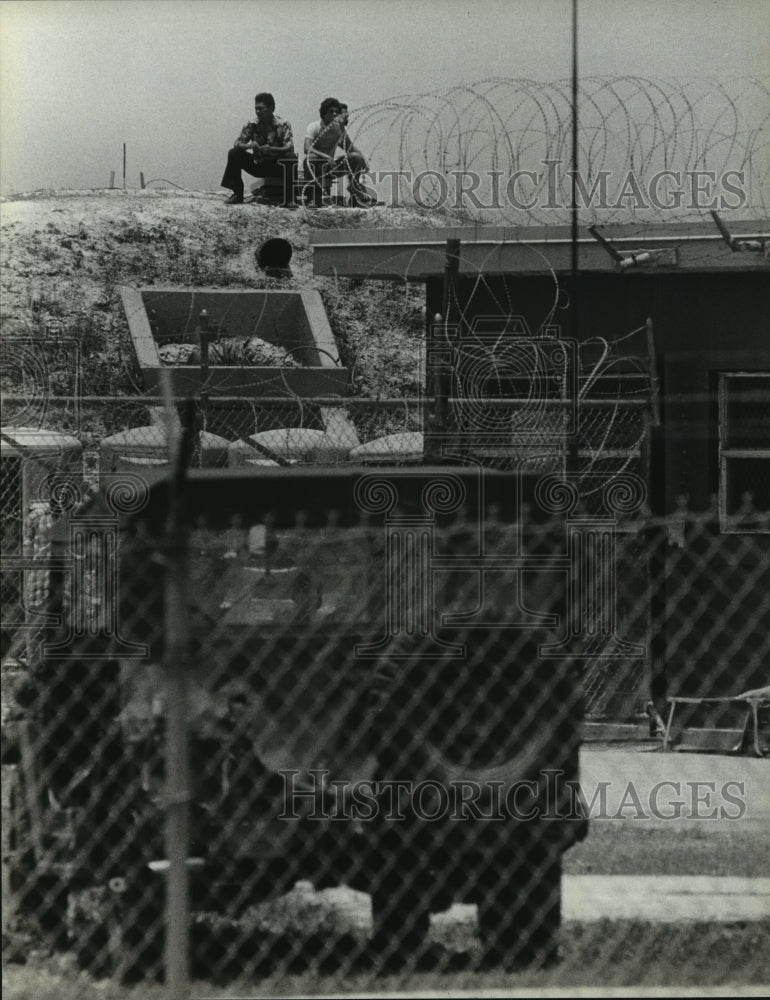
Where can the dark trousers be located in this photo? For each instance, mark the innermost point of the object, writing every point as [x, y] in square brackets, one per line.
[321, 173]
[242, 159]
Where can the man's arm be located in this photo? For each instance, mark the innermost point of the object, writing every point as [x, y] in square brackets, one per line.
[349, 146]
[286, 139]
[246, 139]
[311, 135]
[275, 152]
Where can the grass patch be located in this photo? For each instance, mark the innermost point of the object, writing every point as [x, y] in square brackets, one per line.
[673, 850]
[606, 954]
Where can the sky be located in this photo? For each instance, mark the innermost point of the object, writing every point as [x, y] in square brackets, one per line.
[175, 79]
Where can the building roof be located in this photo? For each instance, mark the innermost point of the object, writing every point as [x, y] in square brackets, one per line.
[416, 254]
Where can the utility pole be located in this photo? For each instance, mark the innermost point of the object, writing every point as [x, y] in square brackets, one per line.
[572, 447]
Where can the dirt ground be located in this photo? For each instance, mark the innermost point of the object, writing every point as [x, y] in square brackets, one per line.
[79, 239]
[65, 254]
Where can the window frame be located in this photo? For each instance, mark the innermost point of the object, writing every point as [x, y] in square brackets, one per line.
[727, 521]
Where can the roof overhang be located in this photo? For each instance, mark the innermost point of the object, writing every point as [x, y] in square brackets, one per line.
[418, 254]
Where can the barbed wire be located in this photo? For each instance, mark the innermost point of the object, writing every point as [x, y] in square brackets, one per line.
[627, 124]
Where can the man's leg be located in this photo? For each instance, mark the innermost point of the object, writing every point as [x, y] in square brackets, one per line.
[307, 187]
[286, 169]
[290, 174]
[353, 165]
[320, 175]
[237, 160]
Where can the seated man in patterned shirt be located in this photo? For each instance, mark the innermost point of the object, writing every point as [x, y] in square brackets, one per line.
[265, 148]
[322, 140]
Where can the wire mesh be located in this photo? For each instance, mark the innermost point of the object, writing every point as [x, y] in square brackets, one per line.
[387, 671]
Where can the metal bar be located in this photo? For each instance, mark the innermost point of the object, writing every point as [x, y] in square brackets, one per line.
[749, 396]
[442, 383]
[594, 231]
[669, 723]
[203, 401]
[723, 230]
[177, 756]
[609, 453]
[654, 397]
[470, 237]
[498, 564]
[572, 456]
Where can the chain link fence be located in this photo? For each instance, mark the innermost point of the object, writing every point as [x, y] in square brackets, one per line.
[95, 437]
[381, 676]
[116, 432]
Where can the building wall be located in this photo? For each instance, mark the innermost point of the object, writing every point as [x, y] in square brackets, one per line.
[703, 324]
[700, 643]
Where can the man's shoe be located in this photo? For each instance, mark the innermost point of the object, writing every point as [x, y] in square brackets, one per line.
[234, 199]
[361, 200]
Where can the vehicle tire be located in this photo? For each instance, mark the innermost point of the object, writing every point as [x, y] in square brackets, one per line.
[519, 909]
[400, 927]
[400, 883]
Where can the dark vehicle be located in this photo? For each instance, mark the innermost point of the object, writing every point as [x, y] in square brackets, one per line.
[368, 702]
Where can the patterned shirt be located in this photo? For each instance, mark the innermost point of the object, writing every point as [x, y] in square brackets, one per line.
[278, 133]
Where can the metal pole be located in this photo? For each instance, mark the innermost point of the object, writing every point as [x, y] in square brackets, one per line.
[438, 376]
[203, 343]
[177, 756]
[124, 166]
[654, 387]
[574, 263]
[573, 201]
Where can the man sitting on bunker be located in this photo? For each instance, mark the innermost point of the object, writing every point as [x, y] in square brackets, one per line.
[322, 139]
[265, 148]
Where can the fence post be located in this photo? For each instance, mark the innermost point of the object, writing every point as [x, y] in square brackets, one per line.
[9, 837]
[451, 308]
[437, 377]
[177, 756]
[203, 397]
